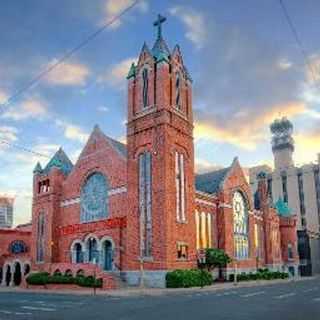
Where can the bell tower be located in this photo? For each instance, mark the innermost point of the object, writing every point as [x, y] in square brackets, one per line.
[160, 164]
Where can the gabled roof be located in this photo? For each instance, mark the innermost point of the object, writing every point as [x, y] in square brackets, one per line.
[61, 161]
[119, 146]
[211, 182]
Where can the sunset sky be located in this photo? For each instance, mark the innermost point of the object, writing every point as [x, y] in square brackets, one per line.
[246, 66]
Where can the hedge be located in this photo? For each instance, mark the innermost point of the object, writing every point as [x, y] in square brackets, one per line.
[43, 278]
[188, 278]
[261, 274]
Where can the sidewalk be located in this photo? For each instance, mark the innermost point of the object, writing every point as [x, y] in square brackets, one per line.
[133, 292]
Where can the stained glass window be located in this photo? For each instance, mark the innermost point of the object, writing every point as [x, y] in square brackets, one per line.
[145, 203]
[18, 247]
[240, 226]
[94, 198]
[40, 237]
[178, 102]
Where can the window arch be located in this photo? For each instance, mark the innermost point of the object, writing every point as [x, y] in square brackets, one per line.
[240, 226]
[145, 86]
[94, 198]
[40, 237]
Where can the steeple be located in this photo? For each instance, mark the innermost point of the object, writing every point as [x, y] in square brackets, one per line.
[160, 49]
[37, 169]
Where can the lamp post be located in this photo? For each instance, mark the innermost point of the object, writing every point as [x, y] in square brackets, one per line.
[94, 261]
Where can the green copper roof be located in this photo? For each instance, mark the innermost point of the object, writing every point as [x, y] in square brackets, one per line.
[61, 161]
[282, 208]
[132, 71]
[161, 56]
[37, 168]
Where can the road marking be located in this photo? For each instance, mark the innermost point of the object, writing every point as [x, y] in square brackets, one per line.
[316, 299]
[38, 308]
[286, 295]
[311, 289]
[252, 294]
[23, 313]
[5, 311]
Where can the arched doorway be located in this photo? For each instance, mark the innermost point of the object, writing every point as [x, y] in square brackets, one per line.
[107, 255]
[8, 276]
[93, 253]
[78, 253]
[17, 275]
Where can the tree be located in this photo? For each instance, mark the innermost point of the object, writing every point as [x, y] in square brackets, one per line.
[215, 258]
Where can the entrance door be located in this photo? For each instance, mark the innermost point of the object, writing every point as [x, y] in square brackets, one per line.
[17, 274]
[107, 255]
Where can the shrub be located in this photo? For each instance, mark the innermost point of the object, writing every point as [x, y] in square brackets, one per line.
[188, 278]
[262, 274]
[43, 278]
[39, 278]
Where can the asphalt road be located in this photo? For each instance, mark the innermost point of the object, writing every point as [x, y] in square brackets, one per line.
[286, 301]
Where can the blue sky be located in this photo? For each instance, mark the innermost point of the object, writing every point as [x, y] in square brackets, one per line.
[247, 70]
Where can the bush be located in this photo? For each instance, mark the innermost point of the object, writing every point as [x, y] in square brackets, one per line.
[43, 278]
[188, 278]
[262, 274]
[39, 278]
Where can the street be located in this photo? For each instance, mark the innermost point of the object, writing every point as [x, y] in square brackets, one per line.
[287, 301]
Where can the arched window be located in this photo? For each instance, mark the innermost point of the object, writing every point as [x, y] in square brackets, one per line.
[145, 86]
[40, 237]
[94, 198]
[17, 247]
[145, 206]
[77, 253]
[240, 226]
[178, 93]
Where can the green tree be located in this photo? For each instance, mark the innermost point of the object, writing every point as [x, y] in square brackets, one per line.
[215, 258]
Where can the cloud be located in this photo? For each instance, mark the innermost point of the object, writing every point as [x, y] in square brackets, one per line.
[115, 7]
[103, 109]
[284, 64]
[68, 74]
[194, 21]
[307, 146]
[313, 69]
[3, 96]
[33, 108]
[203, 166]
[245, 129]
[7, 134]
[73, 132]
[115, 76]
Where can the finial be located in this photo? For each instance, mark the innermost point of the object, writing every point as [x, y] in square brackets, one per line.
[158, 24]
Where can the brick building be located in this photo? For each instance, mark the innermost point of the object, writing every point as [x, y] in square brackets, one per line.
[6, 212]
[135, 211]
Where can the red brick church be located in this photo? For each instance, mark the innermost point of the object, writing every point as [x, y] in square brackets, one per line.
[139, 210]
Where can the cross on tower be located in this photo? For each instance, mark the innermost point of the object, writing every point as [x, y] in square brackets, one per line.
[158, 24]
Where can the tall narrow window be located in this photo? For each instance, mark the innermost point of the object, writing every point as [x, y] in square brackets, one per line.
[40, 237]
[180, 187]
[240, 226]
[178, 85]
[269, 185]
[145, 87]
[145, 203]
[284, 187]
[301, 199]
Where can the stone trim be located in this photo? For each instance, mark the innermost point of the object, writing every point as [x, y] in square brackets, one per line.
[225, 205]
[205, 202]
[111, 192]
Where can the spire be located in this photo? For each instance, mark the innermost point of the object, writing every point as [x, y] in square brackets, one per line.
[132, 71]
[37, 169]
[160, 49]
[61, 161]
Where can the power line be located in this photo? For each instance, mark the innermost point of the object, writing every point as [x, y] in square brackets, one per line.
[67, 55]
[297, 39]
[16, 146]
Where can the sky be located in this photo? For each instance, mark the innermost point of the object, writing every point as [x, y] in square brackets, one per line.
[246, 66]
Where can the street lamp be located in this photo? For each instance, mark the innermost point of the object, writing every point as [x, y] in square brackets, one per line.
[94, 261]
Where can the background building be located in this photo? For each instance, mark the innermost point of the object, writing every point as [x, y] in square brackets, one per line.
[299, 187]
[6, 212]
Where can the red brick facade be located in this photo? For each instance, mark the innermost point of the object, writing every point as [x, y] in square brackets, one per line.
[160, 123]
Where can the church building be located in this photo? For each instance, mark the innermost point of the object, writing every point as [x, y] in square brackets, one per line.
[132, 212]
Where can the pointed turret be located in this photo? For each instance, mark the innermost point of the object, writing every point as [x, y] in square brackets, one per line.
[37, 169]
[132, 71]
[160, 49]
